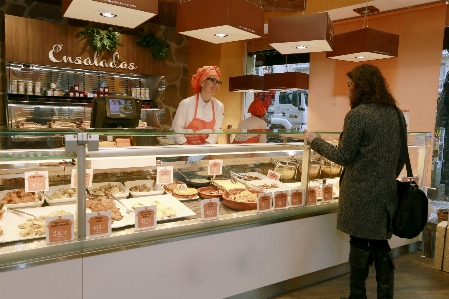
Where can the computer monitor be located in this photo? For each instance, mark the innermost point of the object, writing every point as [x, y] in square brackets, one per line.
[115, 112]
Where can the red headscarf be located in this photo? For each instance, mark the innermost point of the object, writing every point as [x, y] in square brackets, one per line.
[257, 108]
[203, 73]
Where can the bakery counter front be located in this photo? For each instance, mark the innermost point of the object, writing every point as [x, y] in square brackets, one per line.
[98, 205]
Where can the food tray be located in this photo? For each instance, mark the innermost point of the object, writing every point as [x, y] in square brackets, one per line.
[123, 194]
[237, 205]
[260, 183]
[58, 201]
[166, 199]
[255, 174]
[203, 192]
[157, 189]
[36, 203]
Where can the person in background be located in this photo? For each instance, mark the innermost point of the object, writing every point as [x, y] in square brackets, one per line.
[201, 111]
[254, 122]
[370, 151]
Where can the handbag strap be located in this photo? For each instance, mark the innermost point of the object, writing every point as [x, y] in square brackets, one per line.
[404, 148]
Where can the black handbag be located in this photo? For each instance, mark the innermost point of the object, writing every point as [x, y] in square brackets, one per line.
[411, 215]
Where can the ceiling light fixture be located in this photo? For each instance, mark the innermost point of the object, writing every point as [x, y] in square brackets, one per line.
[286, 81]
[367, 10]
[369, 43]
[108, 14]
[230, 17]
[313, 31]
[221, 35]
[132, 12]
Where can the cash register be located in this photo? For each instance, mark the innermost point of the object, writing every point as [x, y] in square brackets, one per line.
[115, 111]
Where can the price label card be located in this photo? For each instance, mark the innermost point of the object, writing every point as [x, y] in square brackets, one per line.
[146, 217]
[273, 175]
[89, 177]
[215, 167]
[328, 190]
[311, 200]
[297, 197]
[264, 202]
[59, 229]
[210, 209]
[164, 175]
[36, 181]
[280, 199]
[98, 224]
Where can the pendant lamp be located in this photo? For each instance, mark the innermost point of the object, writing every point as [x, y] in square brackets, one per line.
[364, 44]
[220, 21]
[301, 33]
[129, 13]
[286, 81]
[246, 83]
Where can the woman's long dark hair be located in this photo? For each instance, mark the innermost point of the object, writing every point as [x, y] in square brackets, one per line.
[369, 85]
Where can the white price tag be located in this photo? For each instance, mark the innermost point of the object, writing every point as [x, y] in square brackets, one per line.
[59, 229]
[210, 209]
[215, 167]
[297, 197]
[164, 175]
[146, 217]
[280, 199]
[264, 202]
[98, 224]
[89, 177]
[36, 181]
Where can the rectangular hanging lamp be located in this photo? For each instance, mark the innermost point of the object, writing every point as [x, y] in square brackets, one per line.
[301, 33]
[283, 81]
[220, 21]
[125, 13]
[364, 44]
[246, 83]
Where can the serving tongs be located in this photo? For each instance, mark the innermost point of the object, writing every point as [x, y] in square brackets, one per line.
[237, 177]
[22, 212]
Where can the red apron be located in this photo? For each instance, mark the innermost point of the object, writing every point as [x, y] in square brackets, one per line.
[198, 124]
[254, 139]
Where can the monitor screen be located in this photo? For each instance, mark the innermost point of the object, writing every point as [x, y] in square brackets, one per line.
[120, 106]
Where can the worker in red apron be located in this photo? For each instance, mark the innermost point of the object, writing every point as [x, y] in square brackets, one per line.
[201, 111]
[253, 123]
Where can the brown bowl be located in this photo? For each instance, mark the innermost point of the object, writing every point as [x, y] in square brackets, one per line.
[239, 205]
[204, 192]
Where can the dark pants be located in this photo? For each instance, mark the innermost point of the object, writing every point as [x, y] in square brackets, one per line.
[367, 245]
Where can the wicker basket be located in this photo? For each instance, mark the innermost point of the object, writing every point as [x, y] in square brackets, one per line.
[442, 214]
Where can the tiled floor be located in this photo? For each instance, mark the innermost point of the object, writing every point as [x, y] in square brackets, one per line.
[415, 278]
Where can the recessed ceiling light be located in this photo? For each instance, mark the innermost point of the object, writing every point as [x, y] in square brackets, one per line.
[221, 35]
[301, 47]
[360, 57]
[108, 14]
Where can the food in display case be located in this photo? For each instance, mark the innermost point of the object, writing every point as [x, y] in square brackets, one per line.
[101, 204]
[21, 198]
[211, 192]
[180, 191]
[109, 188]
[33, 227]
[240, 199]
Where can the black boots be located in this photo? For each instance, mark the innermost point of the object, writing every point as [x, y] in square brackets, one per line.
[384, 264]
[359, 261]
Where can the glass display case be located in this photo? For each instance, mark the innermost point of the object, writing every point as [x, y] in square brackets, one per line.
[250, 184]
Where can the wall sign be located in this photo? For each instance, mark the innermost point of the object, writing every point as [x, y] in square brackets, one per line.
[114, 64]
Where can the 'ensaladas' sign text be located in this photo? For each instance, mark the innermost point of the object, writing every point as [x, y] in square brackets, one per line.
[115, 64]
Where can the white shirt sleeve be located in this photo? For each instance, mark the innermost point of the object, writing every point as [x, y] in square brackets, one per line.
[180, 121]
[219, 116]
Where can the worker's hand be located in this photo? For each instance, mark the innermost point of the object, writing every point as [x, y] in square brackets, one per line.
[309, 135]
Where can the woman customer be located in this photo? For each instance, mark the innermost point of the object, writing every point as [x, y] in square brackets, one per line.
[255, 122]
[370, 150]
[201, 111]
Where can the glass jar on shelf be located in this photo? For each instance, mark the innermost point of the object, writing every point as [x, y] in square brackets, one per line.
[37, 88]
[29, 89]
[13, 88]
[20, 87]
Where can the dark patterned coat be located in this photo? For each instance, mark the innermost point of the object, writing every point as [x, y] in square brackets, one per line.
[370, 150]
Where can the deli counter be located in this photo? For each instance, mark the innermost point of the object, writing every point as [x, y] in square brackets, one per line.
[189, 194]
